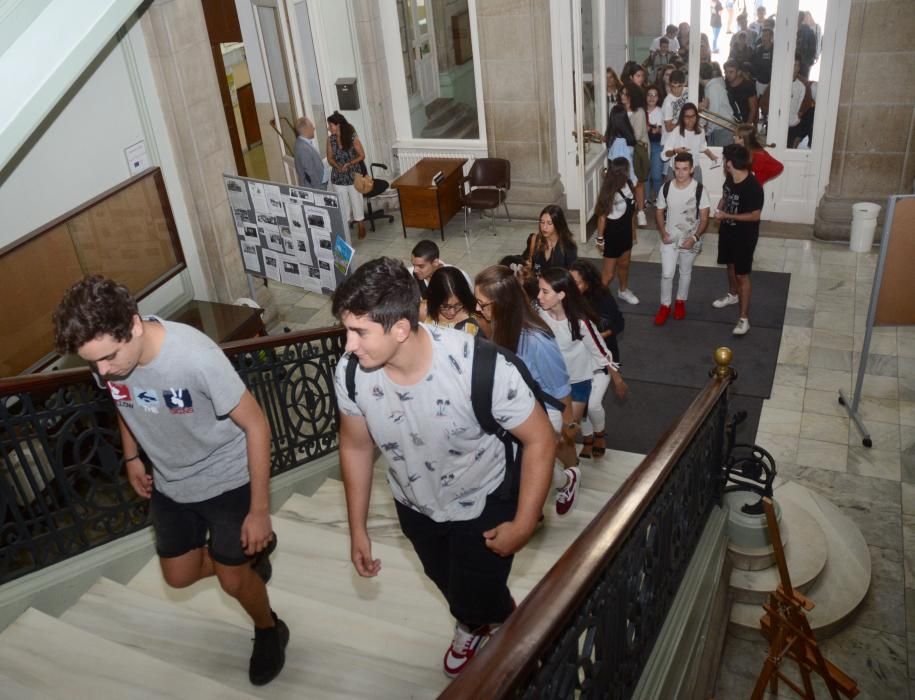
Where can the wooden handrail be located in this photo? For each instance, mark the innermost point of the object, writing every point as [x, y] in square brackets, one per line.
[510, 657]
[59, 378]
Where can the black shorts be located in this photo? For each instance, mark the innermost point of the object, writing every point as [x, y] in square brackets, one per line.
[618, 236]
[182, 527]
[737, 249]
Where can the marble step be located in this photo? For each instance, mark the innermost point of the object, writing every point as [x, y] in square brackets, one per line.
[841, 586]
[316, 667]
[328, 511]
[57, 660]
[805, 554]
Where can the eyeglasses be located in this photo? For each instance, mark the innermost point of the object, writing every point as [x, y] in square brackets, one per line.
[451, 308]
[483, 306]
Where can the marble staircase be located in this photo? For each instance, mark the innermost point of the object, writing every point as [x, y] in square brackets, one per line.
[828, 560]
[350, 637]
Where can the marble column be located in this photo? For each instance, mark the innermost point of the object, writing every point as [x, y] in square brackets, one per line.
[517, 74]
[873, 155]
[185, 80]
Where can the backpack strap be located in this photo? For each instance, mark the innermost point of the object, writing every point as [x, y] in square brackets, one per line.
[698, 198]
[351, 364]
[481, 380]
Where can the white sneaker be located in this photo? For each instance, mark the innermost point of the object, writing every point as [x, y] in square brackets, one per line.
[641, 219]
[727, 300]
[742, 327]
[627, 296]
[464, 646]
[565, 498]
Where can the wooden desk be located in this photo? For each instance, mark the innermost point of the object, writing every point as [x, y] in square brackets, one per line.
[424, 205]
[223, 323]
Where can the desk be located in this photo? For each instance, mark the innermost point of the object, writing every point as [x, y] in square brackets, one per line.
[424, 205]
[223, 323]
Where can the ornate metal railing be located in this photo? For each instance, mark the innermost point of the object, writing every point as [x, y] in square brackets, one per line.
[587, 629]
[62, 484]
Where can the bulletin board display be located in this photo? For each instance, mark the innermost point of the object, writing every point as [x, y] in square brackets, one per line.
[126, 233]
[292, 235]
[895, 301]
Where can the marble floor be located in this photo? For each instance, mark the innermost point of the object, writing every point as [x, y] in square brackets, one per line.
[802, 424]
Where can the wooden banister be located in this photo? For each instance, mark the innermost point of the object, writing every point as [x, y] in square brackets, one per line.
[512, 655]
[54, 380]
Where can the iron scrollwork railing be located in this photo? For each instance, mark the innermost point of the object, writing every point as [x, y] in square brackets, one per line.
[588, 628]
[62, 484]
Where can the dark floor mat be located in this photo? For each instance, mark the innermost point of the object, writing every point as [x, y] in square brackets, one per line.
[638, 423]
[682, 353]
[767, 309]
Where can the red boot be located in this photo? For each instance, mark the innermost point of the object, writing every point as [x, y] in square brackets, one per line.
[661, 318]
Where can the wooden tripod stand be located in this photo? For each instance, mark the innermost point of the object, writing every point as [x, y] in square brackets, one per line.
[790, 637]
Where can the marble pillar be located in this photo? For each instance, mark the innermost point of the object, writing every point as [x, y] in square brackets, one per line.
[185, 81]
[517, 74]
[873, 155]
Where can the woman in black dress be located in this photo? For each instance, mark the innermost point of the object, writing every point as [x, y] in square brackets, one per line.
[553, 245]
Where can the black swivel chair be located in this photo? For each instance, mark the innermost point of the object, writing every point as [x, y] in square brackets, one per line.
[379, 187]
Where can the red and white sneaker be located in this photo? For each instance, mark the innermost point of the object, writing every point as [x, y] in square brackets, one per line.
[464, 645]
[565, 499]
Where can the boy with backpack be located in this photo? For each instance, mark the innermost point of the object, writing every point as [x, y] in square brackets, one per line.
[465, 500]
[682, 218]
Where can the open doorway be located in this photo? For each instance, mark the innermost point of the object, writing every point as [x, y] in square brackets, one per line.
[234, 81]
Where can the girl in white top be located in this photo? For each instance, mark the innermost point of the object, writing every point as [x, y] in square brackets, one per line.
[687, 137]
[573, 325]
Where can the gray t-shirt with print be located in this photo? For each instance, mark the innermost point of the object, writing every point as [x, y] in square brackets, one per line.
[177, 408]
[440, 461]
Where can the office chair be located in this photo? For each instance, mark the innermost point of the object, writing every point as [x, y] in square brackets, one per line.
[489, 180]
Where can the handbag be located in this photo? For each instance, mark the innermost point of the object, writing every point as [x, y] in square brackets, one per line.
[641, 161]
[363, 183]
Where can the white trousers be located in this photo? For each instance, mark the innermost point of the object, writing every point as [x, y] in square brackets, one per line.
[673, 257]
[596, 418]
[351, 203]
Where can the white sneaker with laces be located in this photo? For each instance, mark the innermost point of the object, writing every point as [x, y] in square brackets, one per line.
[464, 645]
[641, 219]
[742, 327]
[565, 498]
[627, 296]
[727, 300]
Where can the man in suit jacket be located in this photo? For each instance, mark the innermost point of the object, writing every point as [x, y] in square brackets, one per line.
[308, 166]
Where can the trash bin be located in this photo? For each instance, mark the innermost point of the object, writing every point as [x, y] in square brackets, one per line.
[863, 226]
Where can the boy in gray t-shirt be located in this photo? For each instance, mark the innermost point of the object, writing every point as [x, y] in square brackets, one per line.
[179, 397]
[448, 477]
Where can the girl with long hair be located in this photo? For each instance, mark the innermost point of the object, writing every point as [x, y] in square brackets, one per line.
[619, 137]
[450, 301]
[614, 208]
[633, 99]
[655, 134]
[687, 137]
[610, 324]
[516, 327]
[763, 166]
[345, 156]
[613, 86]
[553, 244]
[574, 325]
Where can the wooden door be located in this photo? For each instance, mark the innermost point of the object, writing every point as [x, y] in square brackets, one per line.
[249, 115]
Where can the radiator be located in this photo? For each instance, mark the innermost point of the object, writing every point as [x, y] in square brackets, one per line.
[408, 157]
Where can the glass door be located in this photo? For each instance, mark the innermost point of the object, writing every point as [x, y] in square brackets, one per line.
[285, 97]
[306, 47]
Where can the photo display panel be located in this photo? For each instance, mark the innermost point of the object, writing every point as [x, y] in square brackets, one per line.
[293, 235]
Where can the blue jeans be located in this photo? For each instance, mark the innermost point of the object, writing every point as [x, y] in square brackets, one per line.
[715, 32]
[656, 175]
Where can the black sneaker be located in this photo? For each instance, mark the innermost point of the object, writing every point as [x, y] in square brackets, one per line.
[260, 562]
[269, 653]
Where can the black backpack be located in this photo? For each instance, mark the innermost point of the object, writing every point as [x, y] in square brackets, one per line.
[481, 382]
[665, 188]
